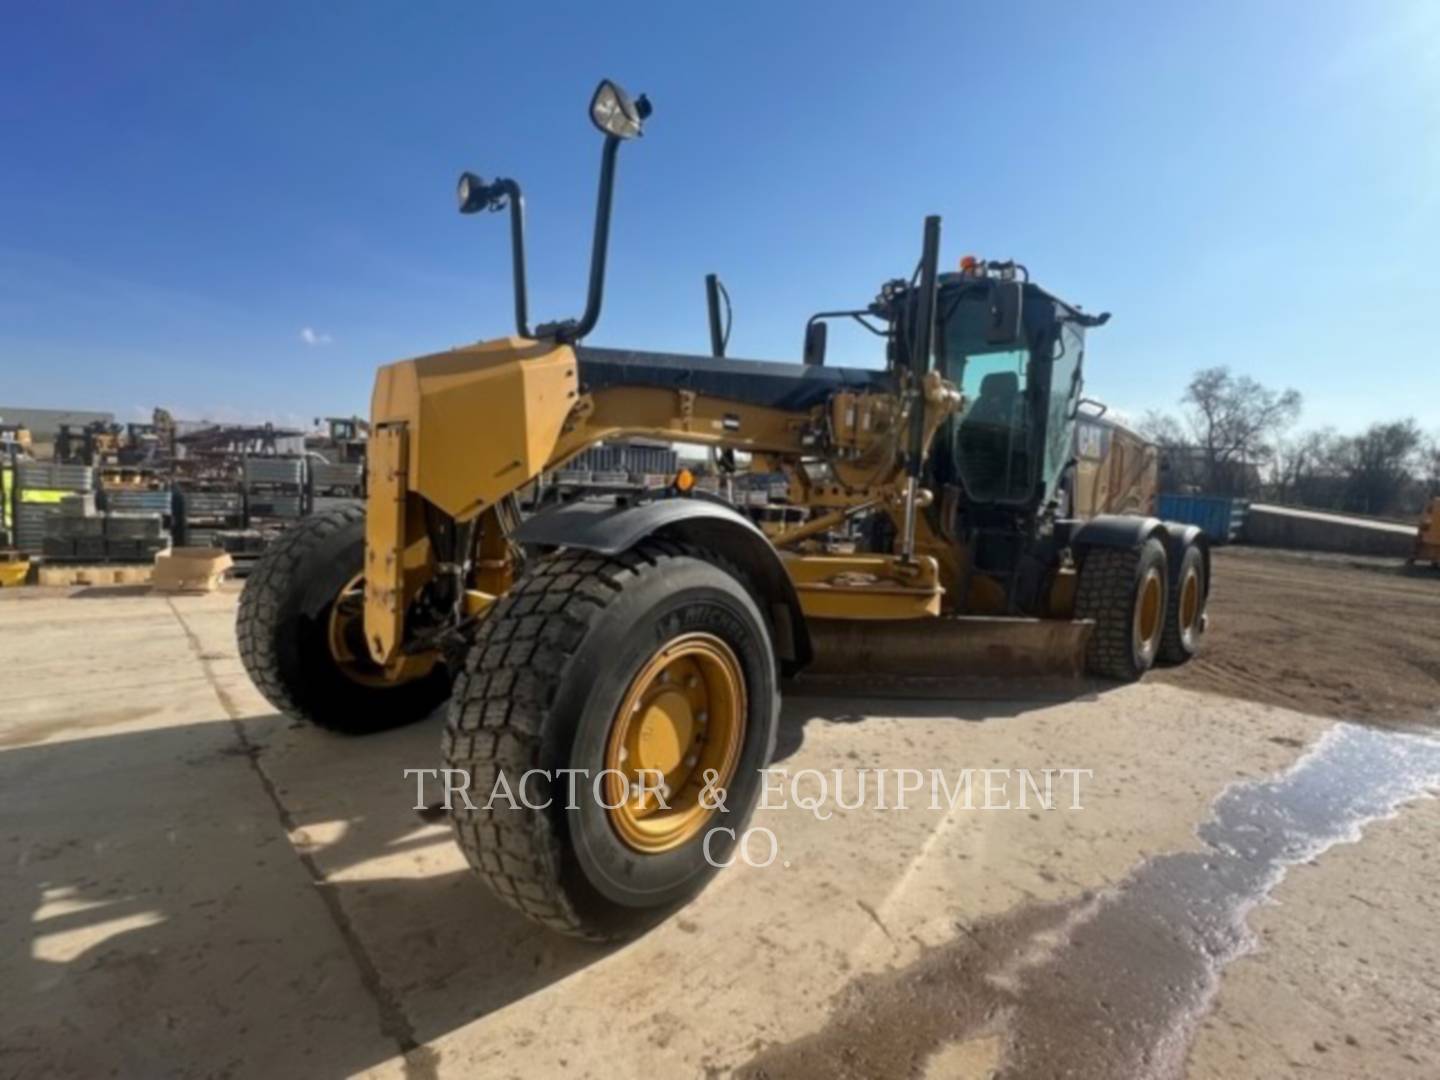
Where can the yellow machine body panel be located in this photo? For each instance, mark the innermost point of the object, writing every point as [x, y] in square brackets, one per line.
[482, 420]
[865, 586]
[461, 429]
[1117, 471]
[681, 415]
[384, 542]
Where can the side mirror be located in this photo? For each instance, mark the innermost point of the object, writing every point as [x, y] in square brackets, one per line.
[614, 113]
[815, 336]
[1006, 312]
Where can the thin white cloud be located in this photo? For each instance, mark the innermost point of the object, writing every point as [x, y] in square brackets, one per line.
[310, 336]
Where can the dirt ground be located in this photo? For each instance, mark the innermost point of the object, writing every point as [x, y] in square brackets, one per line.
[1349, 639]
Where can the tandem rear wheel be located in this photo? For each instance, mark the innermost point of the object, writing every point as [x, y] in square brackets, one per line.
[1145, 609]
[1123, 590]
[1185, 612]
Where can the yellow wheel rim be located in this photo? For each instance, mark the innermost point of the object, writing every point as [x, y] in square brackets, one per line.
[1189, 603]
[346, 637]
[1149, 611]
[683, 717]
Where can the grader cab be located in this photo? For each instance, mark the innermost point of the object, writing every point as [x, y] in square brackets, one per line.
[614, 667]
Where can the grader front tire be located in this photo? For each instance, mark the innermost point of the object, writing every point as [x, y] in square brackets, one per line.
[600, 664]
[286, 630]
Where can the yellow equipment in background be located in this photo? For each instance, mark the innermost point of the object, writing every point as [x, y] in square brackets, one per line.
[14, 569]
[1427, 539]
[18, 436]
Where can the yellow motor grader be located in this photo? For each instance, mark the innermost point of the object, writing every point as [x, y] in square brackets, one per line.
[1427, 535]
[613, 668]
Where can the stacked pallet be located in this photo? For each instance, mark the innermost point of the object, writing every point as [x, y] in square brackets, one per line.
[75, 531]
[202, 515]
[274, 489]
[335, 486]
[343, 480]
[40, 486]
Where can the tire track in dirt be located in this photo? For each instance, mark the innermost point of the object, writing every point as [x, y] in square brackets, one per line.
[1322, 636]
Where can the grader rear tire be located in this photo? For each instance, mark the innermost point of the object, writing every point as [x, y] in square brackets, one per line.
[1123, 591]
[1185, 611]
[286, 629]
[657, 658]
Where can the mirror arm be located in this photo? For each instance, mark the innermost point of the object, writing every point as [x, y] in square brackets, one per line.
[570, 331]
[857, 315]
[512, 193]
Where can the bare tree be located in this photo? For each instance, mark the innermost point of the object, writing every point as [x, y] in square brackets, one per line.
[1179, 470]
[1299, 462]
[1233, 421]
[1162, 429]
[1430, 464]
[1378, 464]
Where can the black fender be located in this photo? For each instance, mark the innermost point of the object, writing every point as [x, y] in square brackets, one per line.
[608, 529]
[1130, 531]
[1114, 531]
[1179, 536]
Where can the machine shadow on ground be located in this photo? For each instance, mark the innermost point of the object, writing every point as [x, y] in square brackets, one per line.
[853, 699]
[258, 869]
[183, 898]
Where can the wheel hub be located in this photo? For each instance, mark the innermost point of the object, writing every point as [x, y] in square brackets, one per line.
[1149, 612]
[664, 733]
[674, 741]
[1189, 604]
[346, 638]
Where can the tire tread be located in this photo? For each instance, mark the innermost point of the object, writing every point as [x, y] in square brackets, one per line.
[275, 576]
[501, 706]
[1106, 594]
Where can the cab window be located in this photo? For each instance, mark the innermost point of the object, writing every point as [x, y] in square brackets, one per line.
[1064, 393]
[992, 435]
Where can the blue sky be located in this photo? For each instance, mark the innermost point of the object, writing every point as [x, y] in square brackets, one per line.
[189, 192]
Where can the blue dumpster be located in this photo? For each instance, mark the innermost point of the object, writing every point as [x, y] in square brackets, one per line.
[1219, 517]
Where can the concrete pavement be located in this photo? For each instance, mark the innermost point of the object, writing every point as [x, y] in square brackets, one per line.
[195, 886]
